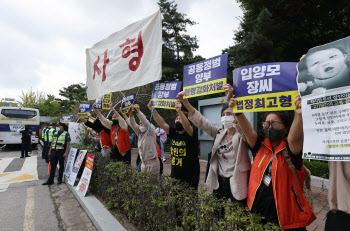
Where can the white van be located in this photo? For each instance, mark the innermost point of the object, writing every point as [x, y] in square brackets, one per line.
[14, 118]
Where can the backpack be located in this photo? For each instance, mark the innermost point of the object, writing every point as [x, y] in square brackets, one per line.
[307, 178]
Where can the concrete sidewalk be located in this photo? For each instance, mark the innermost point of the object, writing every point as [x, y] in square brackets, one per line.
[320, 201]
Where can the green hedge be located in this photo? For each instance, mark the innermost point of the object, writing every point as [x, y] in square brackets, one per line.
[318, 168]
[166, 204]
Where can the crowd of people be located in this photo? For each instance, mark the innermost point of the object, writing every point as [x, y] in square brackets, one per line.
[271, 184]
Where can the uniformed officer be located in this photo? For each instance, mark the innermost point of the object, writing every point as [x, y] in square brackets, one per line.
[58, 151]
[43, 135]
[49, 134]
[26, 140]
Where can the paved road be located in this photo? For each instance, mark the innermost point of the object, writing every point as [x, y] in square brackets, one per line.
[27, 205]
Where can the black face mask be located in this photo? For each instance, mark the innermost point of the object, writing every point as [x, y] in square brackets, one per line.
[179, 126]
[273, 134]
[115, 122]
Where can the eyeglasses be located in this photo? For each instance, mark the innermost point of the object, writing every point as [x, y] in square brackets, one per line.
[274, 124]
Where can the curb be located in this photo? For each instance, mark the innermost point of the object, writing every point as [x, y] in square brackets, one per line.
[97, 212]
[318, 182]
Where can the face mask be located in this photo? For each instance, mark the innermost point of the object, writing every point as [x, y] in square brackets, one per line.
[115, 122]
[179, 126]
[227, 121]
[273, 134]
[142, 128]
[57, 129]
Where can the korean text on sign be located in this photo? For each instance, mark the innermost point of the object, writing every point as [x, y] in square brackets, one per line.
[265, 87]
[84, 110]
[127, 101]
[66, 119]
[205, 77]
[164, 94]
[105, 100]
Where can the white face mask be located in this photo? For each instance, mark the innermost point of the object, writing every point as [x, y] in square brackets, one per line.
[227, 121]
[57, 129]
[142, 128]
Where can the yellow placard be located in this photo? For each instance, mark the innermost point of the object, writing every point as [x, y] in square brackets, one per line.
[83, 115]
[281, 101]
[206, 88]
[164, 103]
[105, 101]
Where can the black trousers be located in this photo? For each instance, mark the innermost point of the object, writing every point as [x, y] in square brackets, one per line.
[56, 157]
[48, 145]
[45, 152]
[25, 149]
[337, 221]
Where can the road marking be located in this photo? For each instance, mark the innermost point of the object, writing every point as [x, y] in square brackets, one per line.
[4, 174]
[4, 163]
[28, 172]
[28, 224]
[21, 178]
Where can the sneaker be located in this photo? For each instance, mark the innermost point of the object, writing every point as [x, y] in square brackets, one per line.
[48, 183]
[28, 156]
[164, 159]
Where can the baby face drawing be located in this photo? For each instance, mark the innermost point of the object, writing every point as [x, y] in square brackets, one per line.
[328, 67]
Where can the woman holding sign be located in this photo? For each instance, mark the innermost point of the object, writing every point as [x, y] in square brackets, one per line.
[119, 134]
[184, 146]
[229, 163]
[147, 142]
[277, 175]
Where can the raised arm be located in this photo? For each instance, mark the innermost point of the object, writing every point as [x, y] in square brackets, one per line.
[160, 121]
[185, 123]
[144, 120]
[105, 122]
[132, 122]
[122, 123]
[247, 129]
[296, 134]
[197, 118]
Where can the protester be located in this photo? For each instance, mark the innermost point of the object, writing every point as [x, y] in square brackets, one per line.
[119, 135]
[58, 151]
[273, 190]
[229, 163]
[161, 137]
[184, 146]
[338, 218]
[26, 140]
[146, 143]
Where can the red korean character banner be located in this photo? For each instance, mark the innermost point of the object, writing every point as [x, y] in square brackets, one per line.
[127, 59]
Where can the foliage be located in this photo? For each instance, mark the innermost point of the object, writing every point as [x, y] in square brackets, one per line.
[166, 204]
[318, 168]
[46, 104]
[178, 47]
[282, 31]
[73, 95]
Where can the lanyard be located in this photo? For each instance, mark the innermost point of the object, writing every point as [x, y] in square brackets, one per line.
[271, 163]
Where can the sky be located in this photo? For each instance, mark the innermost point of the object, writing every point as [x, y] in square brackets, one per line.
[43, 43]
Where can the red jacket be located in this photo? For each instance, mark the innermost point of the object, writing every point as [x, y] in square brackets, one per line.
[105, 139]
[123, 141]
[293, 210]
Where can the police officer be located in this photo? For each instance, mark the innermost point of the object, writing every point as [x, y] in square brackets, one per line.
[26, 140]
[43, 135]
[58, 151]
[49, 134]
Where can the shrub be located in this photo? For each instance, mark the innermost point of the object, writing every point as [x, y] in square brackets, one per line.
[318, 168]
[166, 204]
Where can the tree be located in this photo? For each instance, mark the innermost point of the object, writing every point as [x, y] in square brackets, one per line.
[31, 99]
[178, 47]
[282, 31]
[73, 95]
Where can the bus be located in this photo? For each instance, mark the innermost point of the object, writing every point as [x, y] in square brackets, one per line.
[14, 118]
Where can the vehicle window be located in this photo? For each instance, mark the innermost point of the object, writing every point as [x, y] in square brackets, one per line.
[20, 114]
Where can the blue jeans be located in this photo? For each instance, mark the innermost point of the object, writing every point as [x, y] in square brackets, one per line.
[162, 148]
